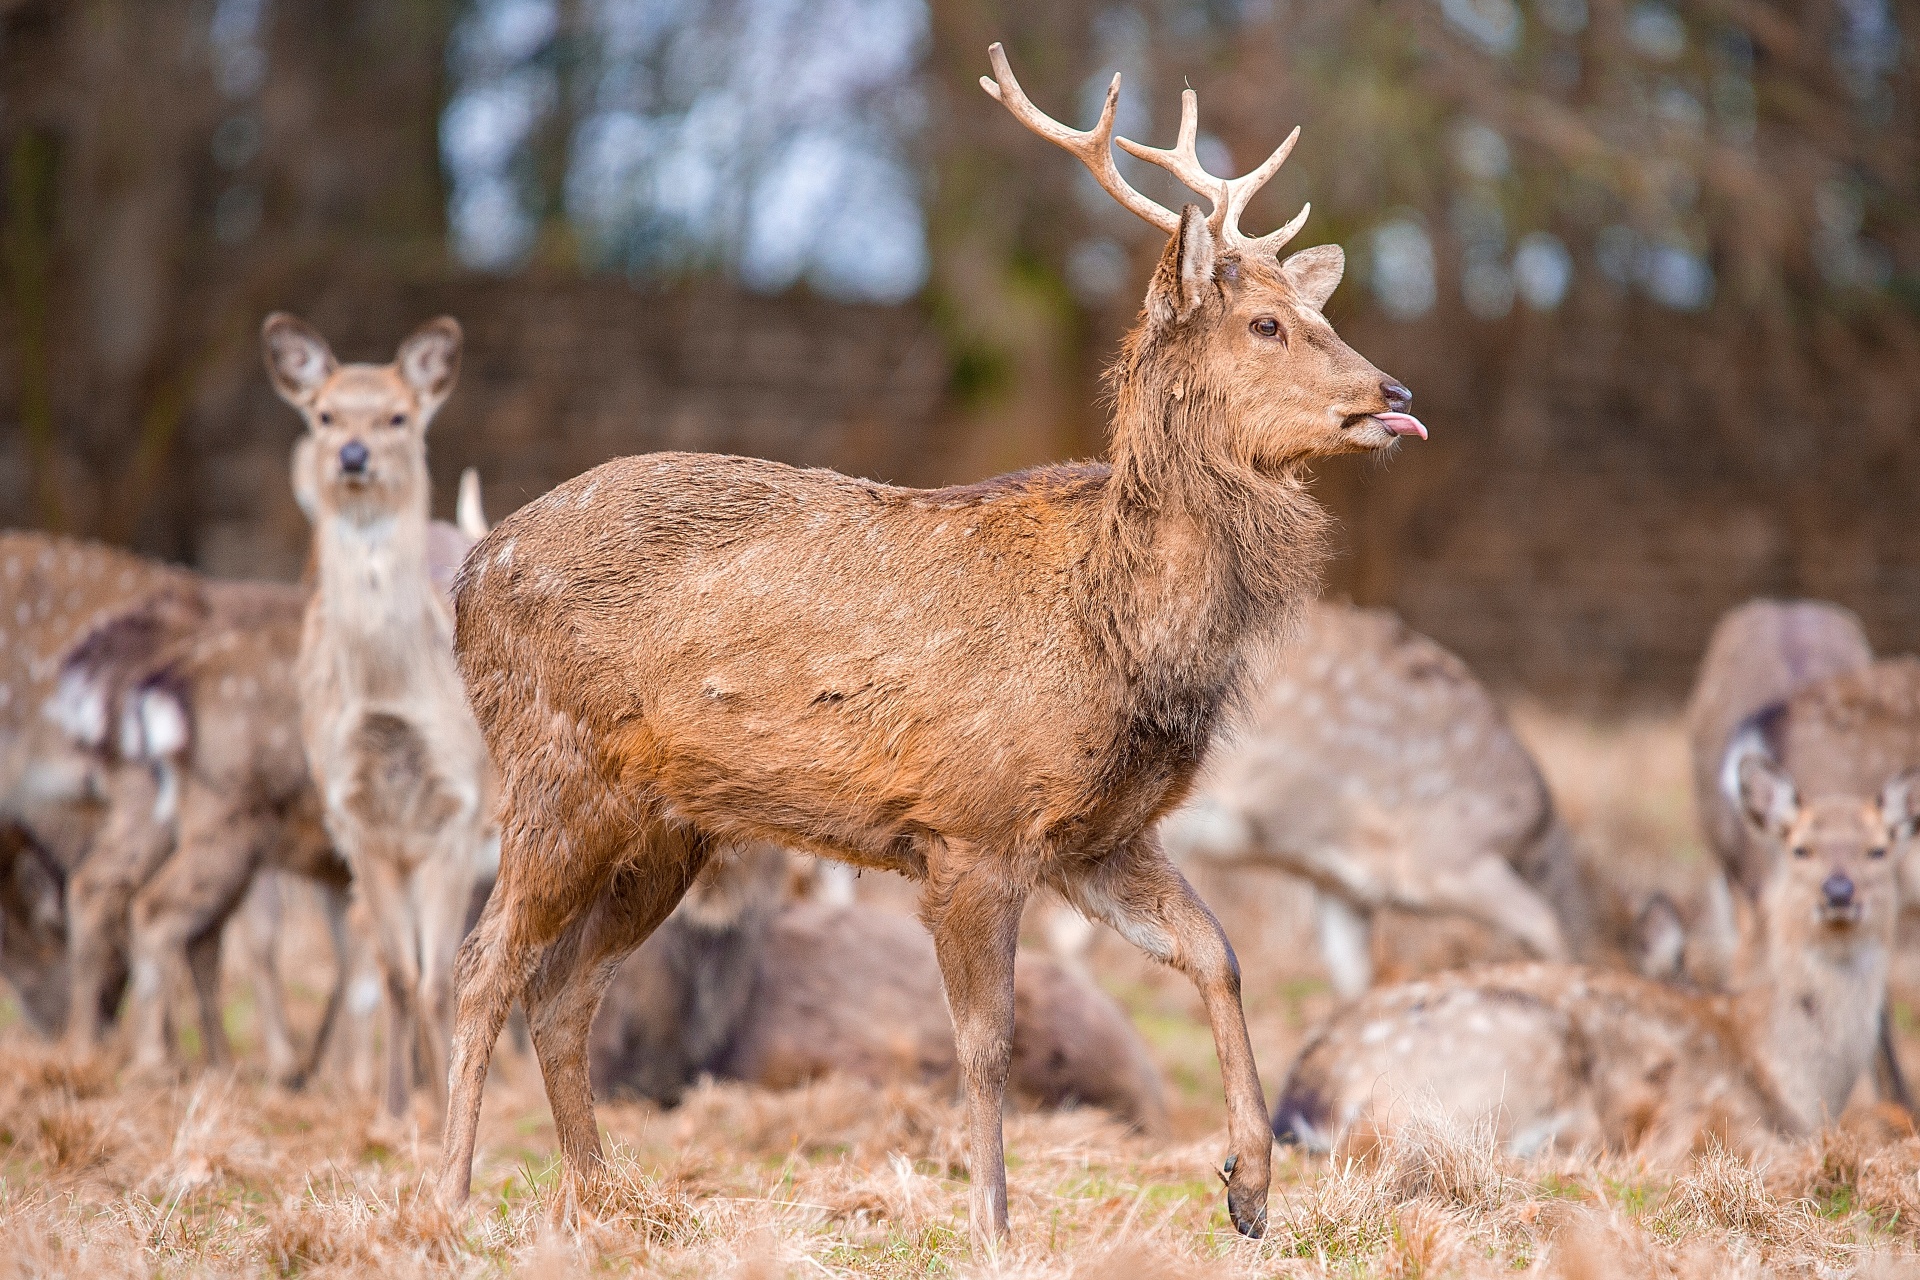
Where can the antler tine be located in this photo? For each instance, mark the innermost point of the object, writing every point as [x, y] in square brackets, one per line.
[1094, 146]
[1183, 161]
[1230, 196]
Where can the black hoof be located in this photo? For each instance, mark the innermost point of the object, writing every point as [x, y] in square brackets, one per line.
[1248, 1209]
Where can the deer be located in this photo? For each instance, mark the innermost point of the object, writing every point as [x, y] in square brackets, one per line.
[741, 984]
[196, 690]
[398, 761]
[1371, 763]
[1760, 654]
[54, 797]
[990, 688]
[1560, 1055]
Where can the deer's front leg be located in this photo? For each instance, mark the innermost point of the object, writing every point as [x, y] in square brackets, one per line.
[1140, 894]
[975, 919]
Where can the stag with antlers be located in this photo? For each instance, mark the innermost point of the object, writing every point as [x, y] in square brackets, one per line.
[990, 688]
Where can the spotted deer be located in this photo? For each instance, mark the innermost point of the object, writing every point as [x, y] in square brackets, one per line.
[1372, 764]
[1760, 654]
[400, 765]
[54, 796]
[1570, 1056]
[195, 688]
[989, 688]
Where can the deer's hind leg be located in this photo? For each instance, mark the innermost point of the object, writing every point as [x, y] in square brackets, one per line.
[1139, 893]
[555, 927]
[973, 911]
[564, 991]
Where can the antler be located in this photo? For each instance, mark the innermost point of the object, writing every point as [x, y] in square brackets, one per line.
[1094, 147]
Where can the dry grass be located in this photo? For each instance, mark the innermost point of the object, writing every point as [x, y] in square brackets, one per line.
[102, 1178]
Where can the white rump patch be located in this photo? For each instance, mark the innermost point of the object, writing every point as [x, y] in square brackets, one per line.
[163, 724]
[79, 707]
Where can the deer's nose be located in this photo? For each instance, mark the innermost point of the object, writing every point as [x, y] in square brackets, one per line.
[1838, 889]
[1399, 399]
[353, 457]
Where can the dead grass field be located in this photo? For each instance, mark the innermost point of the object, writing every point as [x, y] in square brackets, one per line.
[103, 1178]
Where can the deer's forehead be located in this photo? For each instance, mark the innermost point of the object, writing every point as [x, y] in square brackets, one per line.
[1837, 820]
[368, 388]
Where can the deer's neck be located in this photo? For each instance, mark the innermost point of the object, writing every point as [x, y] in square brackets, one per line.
[1200, 558]
[373, 576]
[1814, 1016]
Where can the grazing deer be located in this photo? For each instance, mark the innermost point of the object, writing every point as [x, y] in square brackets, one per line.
[1372, 764]
[989, 688]
[399, 762]
[54, 797]
[197, 688]
[1554, 1054]
[739, 985]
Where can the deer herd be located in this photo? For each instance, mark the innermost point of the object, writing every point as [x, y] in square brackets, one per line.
[642, 706]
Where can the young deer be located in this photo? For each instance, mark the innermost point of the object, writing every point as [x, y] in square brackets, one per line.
[1553, 1054]
[1372, 764]
[989, 688]
[399, 763]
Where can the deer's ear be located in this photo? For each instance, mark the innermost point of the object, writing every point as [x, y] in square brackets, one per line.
[298, 360]
[1900, 806]
[1185, 274]
[1766, 794]
[429, 361]
[1315, 273]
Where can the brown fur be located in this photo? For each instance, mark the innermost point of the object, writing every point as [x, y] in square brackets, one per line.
[394, 750]
[1555, 1054]
[1373, 764]
[990, 688]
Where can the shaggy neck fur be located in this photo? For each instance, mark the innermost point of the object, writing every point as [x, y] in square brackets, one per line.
[1199, 556]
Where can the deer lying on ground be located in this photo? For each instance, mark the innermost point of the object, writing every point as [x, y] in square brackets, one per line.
[1569, 1056]
[739, 984]
[989, 688]
[1371, 763]
[54, 797]
[399, 762]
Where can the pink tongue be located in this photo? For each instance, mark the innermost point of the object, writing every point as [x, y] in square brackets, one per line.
[1402, 424]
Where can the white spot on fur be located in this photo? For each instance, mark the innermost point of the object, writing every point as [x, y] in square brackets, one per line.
[504, 556]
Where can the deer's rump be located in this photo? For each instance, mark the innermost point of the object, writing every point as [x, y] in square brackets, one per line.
[801, 656]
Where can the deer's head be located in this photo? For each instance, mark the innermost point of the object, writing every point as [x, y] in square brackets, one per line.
[365, 452]
[1834, 860]
[1242, 325]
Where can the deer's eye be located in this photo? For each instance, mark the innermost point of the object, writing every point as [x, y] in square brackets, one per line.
[397, 420]
[326, 419]
[1879, 852]
[1268, 327]
[1801, 851]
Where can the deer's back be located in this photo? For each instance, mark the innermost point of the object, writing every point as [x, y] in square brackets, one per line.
[799, 651]
[53, 591]
[1550, 1055]
[1759, 655]
[1366, 733]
